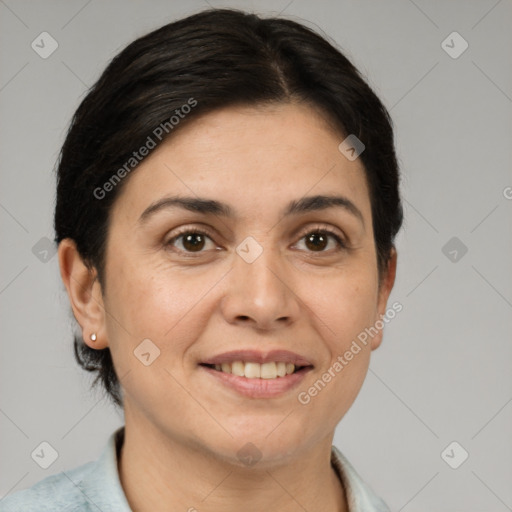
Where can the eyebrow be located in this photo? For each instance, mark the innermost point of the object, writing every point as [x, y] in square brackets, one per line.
[210, 206]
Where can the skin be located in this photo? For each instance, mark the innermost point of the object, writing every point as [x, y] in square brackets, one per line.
[183, 428]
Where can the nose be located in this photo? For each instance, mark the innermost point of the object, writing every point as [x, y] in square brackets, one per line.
[260, 293]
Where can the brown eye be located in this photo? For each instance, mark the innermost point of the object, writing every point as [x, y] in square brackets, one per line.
[318, 240]
[191, 241]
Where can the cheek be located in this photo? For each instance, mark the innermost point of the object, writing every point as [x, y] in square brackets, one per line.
[153, 304]
[345, 305]
[345, 313]
[156, 303]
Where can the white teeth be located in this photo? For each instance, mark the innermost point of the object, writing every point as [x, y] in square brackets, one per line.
[251, 370]
[268, 371]
[281, 369]
[237, 368]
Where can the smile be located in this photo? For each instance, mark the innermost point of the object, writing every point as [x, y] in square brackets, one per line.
[258, 380]
[251, 370]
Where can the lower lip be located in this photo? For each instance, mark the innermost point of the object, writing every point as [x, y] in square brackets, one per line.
[259, 388]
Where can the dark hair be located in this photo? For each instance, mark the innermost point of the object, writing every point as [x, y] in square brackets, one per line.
[215, 58]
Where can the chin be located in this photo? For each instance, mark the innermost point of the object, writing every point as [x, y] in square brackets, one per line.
[262, 445]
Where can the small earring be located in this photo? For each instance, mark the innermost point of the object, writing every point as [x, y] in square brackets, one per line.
[93, 336]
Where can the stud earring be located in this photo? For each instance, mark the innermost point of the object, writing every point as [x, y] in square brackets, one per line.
[93, 336]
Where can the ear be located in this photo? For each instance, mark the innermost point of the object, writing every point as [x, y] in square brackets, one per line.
[84, 291]
[386, 285]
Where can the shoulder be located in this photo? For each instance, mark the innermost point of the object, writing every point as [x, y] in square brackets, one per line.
[55, 493]
[360, 496]
[90, 487]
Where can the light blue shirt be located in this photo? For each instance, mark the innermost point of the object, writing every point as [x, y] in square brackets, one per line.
[96, 487]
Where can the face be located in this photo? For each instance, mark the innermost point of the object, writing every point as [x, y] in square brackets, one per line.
[260, 285]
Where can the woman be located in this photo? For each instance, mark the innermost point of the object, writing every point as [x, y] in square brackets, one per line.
[227, 202]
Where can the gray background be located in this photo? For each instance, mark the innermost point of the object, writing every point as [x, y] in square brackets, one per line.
[443, 373]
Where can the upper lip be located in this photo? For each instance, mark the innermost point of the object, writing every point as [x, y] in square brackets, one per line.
[257, 356]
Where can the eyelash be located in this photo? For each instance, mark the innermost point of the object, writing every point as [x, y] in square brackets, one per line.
[204, 232]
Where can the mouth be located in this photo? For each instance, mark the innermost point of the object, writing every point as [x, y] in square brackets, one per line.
[253, 370]
[256, 374]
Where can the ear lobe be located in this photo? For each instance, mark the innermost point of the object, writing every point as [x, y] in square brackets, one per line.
[84, 292]
[376, 340]
[386, 285]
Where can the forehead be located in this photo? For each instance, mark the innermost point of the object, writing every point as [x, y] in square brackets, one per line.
[254, 159]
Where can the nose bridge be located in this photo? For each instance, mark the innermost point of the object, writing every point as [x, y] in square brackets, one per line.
[258, 263]
[258, 288]
[260, 266]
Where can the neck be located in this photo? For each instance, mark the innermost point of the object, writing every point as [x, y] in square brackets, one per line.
[156, 470]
